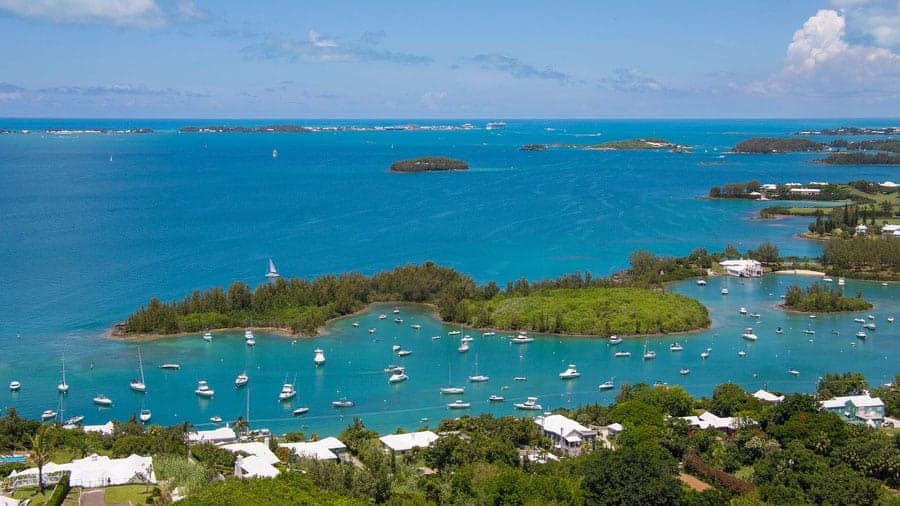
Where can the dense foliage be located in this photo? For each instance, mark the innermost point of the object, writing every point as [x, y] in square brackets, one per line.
[735, 190]
[428, 164]
[860, 158]
[862, 255]
[634, 144]
[820, 298]
[776, 145]
[287, 488]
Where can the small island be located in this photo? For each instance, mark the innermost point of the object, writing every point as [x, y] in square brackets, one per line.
[429, 164]
[821, 299]
[861, 159]
[852, 131]
[634, 145]
[534, 147]
[776, 145]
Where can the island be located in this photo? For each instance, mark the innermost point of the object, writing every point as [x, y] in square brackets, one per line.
[818, 298]
[429, 164]
[776, 145]
[534, 147]
[852, 131]
[861, 159]
[630, 303]
[634, 145]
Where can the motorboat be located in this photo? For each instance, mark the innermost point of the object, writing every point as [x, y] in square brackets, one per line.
[356, 324]
[676, 347]
[395, 348]
[724, 291]
[459, 404]
[170, 367]
[102, 400]
[415, 326]
[75, 420]
[138, 385]
[398, 377]
[207, 336]
[742, 310]
[467, 339]
[742, 353]
[809, 332]
[287, 392]
[241, 380]
[606, 385]
[145, 415]
[435, 338]
[250, 342]
[812, 317]
[620, 354]
[382, 316]
[393, 369]
[861, 335]
[404, 353]
[859, 320]
[520, 378]
[705, 353]
[489, 334]
[684, 371]
[522, 339]
[496, 398]
[569, 373]
[398, 321]
[300, 411]
[203, 390]
[320, 357]
[890, 319]
[615, 340]
[396, 310]
[870, 326]
[530, 404]
[794, 372]
[372, 330]
[871, 317]
[452, 390]
[215, 419]
[454, 333]
[701, 282]
[749, 335]
[248, 334]
[48, 414]
[827, 280]
[464, 347]
[343, 402]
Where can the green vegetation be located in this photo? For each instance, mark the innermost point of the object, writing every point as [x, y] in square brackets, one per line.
[534, 147]
[861, 159]
[634, 144]
[862, 257]
[429, 164]
[589, 311]
[891, 145]
[819, 298]
[776, 145]
[287, 488]
[834, 385]
[130, 494]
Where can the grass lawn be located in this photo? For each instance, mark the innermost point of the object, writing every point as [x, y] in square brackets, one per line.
[41, 499]
[893, 197]
[136, 494]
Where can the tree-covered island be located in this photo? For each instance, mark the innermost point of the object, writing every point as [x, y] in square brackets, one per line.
[818, 298]
[637, 144]
[429, 164]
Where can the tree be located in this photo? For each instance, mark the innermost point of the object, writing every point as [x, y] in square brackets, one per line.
[767, 253]
[41, 447]
[834, 385]
[731, 251]
[631, 475]
[727, 399]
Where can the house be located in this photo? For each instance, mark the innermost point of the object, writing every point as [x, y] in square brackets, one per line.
[767, 396]
[92, 471]
[727, 424]
[401, 443]
[890, 230]
[857, 409]
[769, 187]
[106, 429]
[566, 434]
[743, 268]
[215, 436]
[330, 448]
[253, 466]
[862, 229]
[615, 429]
[806, 192]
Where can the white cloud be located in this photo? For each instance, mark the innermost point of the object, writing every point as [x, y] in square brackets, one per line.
[316, 39]
[187, 10]
[318, 48]
[875, 22]
[821, 39]
[130, 13]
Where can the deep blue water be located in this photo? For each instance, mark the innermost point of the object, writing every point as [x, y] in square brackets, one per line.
[94, 225]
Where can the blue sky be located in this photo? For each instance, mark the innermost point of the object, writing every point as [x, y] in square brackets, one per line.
[428, 59]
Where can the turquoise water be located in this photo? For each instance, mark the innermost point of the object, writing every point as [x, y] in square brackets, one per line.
[86, 240]
[9, 459]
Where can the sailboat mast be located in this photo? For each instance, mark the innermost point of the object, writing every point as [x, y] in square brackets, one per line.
[141, 365]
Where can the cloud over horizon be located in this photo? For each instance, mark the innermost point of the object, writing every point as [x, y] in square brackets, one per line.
[319, 48]
[517, 68]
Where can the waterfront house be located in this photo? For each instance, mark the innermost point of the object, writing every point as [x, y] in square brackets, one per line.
[769, 187]
[92, 471]
[767, 396]
[857, 409]
[402, 443]
[805, 192]
[743, 268]
[215, 436]
[727, 424]
[330, 448]
[567, 435]
[106, 429]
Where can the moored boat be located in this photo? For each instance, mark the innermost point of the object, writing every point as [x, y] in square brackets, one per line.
[14, 386]
[343, 402]
[749, 335]
[241, 380]
[459, 404]
[48, 414]
[102, 400]
[570, 373]
[319, 358]
[300, 411]
[170, 367]
[530, 404]
[496, 398]
[203, 390]
[606, 385]
[615, 340]
[676, 346]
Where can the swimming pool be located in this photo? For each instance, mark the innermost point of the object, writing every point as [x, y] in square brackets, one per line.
[8, 459]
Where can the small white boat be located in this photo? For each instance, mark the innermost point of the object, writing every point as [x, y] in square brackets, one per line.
[522, 339]
[356, 324]
[684, 371]
[404, 353]
[779, 330]
[343, 402]
[393, 369]
[395, 348]
[454, 333]
[810, 332]
[382, 316]
[372, 330]
[207, 337]
[489, 334]
[248, 334]
[827, 280]
[615, 340]
[398, 377]
[701, 282]
[812, 317]
[415, 326]
[529, 405]
[496, 398]
[396, 310]
[320, 357]
[452, 390]
[861, 335]
[648, 354]
[215, 419]
[251, 342]
[48, 414]
[272, 273]
[749, 335]
[859, 320]
[459, 404]
[398, 321]
[145, 415]
[794, 372]
[569, 373]
[464, 347]
[102, 400]
[890, 319]
[75, 420]
[724, 291]
[287, 392]
[676, 347]
[435, 338]
[705, 353]
[606, 385]
[620, 354]
[300, 411]
[467, 339]
[241, 380]
[170, 367]
[871, 317]
[742, 310]
[870, 326]
[203, 390]
[742, 353]
[520, 378]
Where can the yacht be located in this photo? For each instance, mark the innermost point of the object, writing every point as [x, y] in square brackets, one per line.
[320, 357]
[812, 317]
[250, 342]
[859, 320]
[827, 280]
[75, 420]
[676, 347]
[529, 405]
[63, 387]
[287, 392]
[861, 335]
[684, 371]
[705, 353]
[569, 373]
[48, 414]
[496, 398]
[398, 377]
[170, 367]
[241, 380]
[396, 310]
[794, 372]
[272, 273]
[615, 340]
[452, 390]
[520, 378]
[871, 317]
[382, 316]
[606, 385]
[522, 339]
[742, 310]
[138, 385]
[203, 390]
[415, 326]
[145, 415]
[809, 332]
[403, 353]
[207, 336]
[248, 334]
[102, 400]
[343, 402]
[701, 282]
[467, 339]
[724, 291]
[393, 369]
[215, 419]
[300, 411]
[622, 354]
[870, 326]
[355, 324]
[464, 347]
[398, 321]
[459, 404]
[749, 335]
[478, 378]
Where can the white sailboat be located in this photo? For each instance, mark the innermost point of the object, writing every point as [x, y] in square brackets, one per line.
[478, 378]
[63, 387]
[145, 414]
[449, 389]
[138, 385]
[272, 273]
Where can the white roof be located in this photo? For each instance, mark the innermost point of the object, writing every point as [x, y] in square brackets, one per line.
[324, 449]
[9, 501]
[708, 419]
[221, 434]
[858, 400]
[105, 429]
[101, 471]
[805, 190]
[889, 184]
[767, 396]
[260, 450]
[769, 186]
[408, 441]
[563, 427]
[743, 262]
[255, 467]
[890, 228]
[615, 427]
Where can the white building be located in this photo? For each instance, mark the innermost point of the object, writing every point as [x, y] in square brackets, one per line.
[858, 409]
[567, 435]
[330, 448]
[92, 471]
[767, 396]
[106, 429]
[808, 192]
[743, 268]
[727, 424]
[401, 443]
[220, 435]
[862, 229]
[890, 230]
[258, 460]
[769, 187]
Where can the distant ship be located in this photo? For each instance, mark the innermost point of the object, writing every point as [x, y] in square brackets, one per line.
[494, 125]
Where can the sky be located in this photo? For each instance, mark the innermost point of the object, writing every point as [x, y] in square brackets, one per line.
[459, 59]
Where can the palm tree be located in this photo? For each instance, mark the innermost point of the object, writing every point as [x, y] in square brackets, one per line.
[41, 449]
[240, 425]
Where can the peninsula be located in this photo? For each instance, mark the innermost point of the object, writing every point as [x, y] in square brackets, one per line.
[429, 164]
